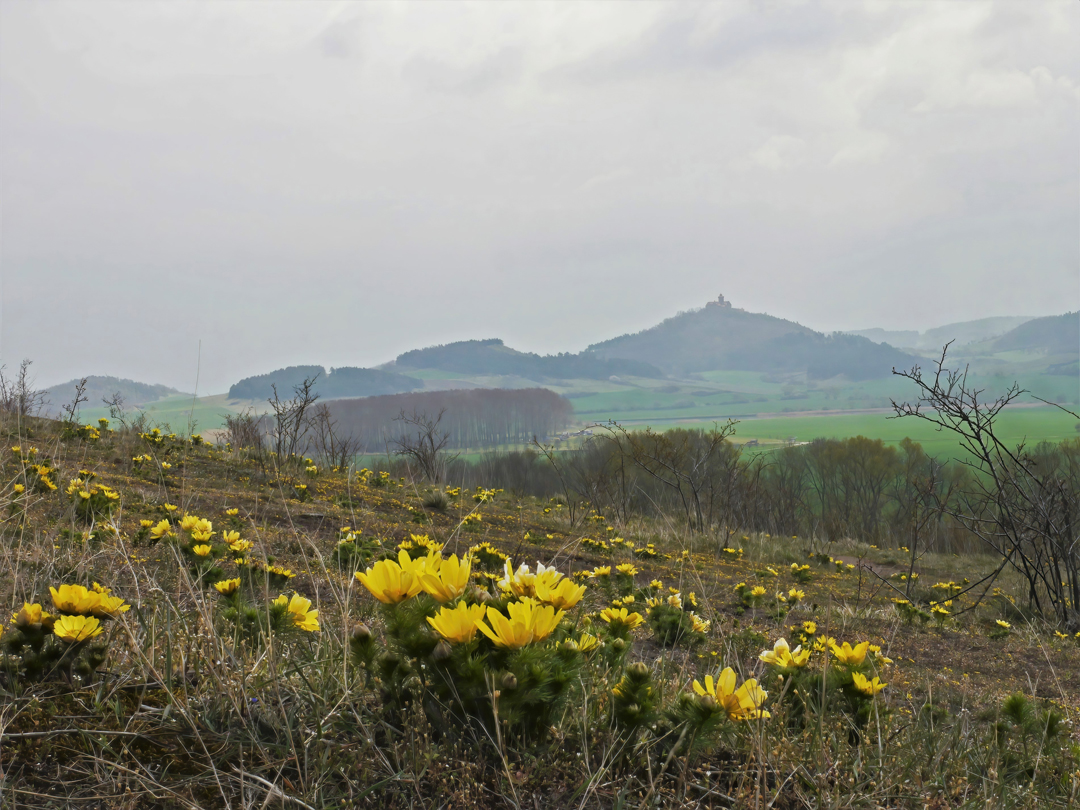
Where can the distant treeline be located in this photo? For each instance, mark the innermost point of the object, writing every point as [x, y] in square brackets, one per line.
[829, 488]
[473, 418]
[492, 357]
[338, 383]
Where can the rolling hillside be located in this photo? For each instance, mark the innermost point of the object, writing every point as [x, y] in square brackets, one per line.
[719, 337]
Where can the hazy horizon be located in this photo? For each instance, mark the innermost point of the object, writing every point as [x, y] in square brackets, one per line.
[337, 183]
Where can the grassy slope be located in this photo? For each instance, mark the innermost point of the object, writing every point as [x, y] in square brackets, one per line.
[231, 711]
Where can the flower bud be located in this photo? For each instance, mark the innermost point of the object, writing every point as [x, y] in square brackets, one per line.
[638, 670]
[442, 651]
[361, 633]
[509, 681]
[708, 702]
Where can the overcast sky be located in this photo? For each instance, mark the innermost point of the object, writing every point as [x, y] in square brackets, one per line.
[336, 183]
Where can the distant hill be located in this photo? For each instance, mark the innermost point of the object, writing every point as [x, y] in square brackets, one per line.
[1057, 334]
[338, 383]
[99, 388]
[960, 333]
[493, 357]
[720, 337]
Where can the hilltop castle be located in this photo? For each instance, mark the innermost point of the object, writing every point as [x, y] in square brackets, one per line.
[719, 302]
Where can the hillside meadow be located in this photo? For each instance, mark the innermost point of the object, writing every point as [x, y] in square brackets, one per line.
[194, 626]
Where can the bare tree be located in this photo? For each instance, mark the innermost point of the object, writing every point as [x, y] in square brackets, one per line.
[424, 442]
[291, 422]
[1019, 505]
[685, 462]
[18, 396]
[334, 447]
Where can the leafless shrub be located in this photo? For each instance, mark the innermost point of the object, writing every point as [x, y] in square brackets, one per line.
[424, 443]
[244, 431]
[333, 446]
[18, 395]
[291, 419]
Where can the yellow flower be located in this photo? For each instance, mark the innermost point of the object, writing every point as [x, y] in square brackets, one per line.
[229, 536]
[528, 622]
[303, 617]
[74, 599]
[600, 571]
[19, 488]
[865, 685]
[850, 655]
[795, 594]
[240, 546]
[700, 625]
[146, 524]
[563, 596]
[161, 529]
[627, 568]
[809, 627]
[77, 628]
[457, 624]
[675, 601]
[232, 512]
[227, 587]
[781, 655]
[588, 642]
[188, 522]
[168, 507]
[446, 579]
[30, 614]
[392, 582]
[757, 591]
[1003, 624]
[201, 550]
[743, 703]
[110, 605]
[621, 618]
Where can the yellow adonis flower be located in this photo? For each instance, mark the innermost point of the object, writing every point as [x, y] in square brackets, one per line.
[599, 571]
[1004, 625]
[621, 618]
[227, 587]
[700, 625]
[74, 599]
[232, 512]
[588, 642]
[146, 524]
[743, 703]
[446, 580]
[201, 550]
[230, 536]
[865, 685]
[847, 654]
[392, 582]
[31, 614]
[110, 606]
[627, 568]
[161, 529]
[457, 624]
[240, 546]
[168, 507]
[187, 522]
[563, 596]
[300, 612]
[758, 590]
[76, 628]
[781, 655]
[528, 622]
[795, 594]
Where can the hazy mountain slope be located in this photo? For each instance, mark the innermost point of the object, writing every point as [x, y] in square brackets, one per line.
[335, 384]
[1057, 334]
[99, 387]
[492, 357]
[961, 333]
[719, 338]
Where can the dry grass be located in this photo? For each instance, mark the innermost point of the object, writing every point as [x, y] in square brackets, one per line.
[186, 713]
